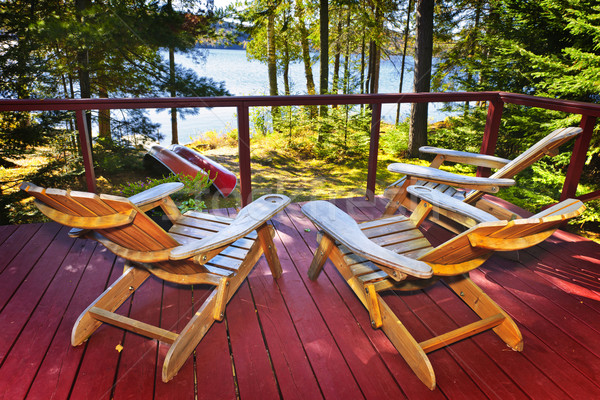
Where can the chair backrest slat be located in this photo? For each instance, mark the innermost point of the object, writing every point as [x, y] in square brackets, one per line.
[459, 249]
[142, 234]
[124, 236]
[537, 151]
[143, 229]
[545, 146]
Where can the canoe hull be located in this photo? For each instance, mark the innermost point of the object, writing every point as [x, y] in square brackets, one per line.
[223, 179]
[182, 160]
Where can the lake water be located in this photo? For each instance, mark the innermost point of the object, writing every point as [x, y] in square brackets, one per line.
[245, 77]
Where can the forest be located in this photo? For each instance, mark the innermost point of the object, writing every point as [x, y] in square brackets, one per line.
[129, 48]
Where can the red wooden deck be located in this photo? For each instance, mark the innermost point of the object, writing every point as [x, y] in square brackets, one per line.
[293, 338]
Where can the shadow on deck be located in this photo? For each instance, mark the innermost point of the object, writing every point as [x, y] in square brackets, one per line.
[293, 338]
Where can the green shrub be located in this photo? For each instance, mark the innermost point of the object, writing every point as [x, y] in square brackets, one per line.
[187, 198]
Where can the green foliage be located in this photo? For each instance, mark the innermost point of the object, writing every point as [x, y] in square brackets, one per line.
[260, 120]
[191, 205]
[109, 49]
[187, 198]
[344, 133]
[111, 158]
[394, 139]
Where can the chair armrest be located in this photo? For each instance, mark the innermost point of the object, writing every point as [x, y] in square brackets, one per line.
[344, 229]
[489, 185]
[250, 218]
[156, 193]
[449, 203]
[464, 157]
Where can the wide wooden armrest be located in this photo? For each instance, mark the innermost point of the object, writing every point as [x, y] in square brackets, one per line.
[251, 217]
[344, 229]
[489, 185]
[464, 157]
[569, 208]
[156, 193]
[449, 203]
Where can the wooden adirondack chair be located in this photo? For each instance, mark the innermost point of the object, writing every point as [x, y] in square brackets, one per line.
[199, 249]
[466, 188]
[392, 254]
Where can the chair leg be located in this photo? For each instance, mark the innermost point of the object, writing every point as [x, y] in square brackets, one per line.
[110, 300]
[398, 199]
[485, 307]
[326, 244]
[203, 319]
[406, 345]
[400, 337]
[189, 338]
[265, 236]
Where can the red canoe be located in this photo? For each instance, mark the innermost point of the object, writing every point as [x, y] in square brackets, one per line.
[183, 160]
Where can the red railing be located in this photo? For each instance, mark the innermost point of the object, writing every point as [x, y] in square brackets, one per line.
[589, 113]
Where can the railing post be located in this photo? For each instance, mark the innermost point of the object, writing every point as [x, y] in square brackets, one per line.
[244, 154]
[86, 150]
[373, 150]
[582, 144]
[490, 134]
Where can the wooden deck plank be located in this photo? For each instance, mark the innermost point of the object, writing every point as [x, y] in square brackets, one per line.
[529, 369]
[21, 264]
[518, 378]
[177, 310]
[6, 231]
[214, 368]
[534, 275]
[32, 342]
[294, 375]
[96, 375]
[552, 338]
[13, 240]
[331, 370]
[255, 376]
[350, 336]
[317, 334]
[574, 335]
[138, 362]
[26, 296]
[56, 375]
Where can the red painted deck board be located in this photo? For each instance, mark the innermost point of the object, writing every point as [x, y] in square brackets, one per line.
[57, 372]
[293, 338]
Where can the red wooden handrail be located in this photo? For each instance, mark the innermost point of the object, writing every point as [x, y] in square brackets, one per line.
[588, 111]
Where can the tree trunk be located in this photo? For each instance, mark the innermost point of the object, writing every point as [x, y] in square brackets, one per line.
[173, 93]
[347, 58]
[310, 82]
[85, 88]
[423, 56]
[286, 69]
[337, 57]
[104, 117]
[362, 69]
[272, 60]
[375, 56]
[405, 45]
[324, 36]
[374, 62]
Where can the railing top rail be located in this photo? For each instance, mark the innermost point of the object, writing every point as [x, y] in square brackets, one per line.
[569, 106]
[235, 101]
[575, 107]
